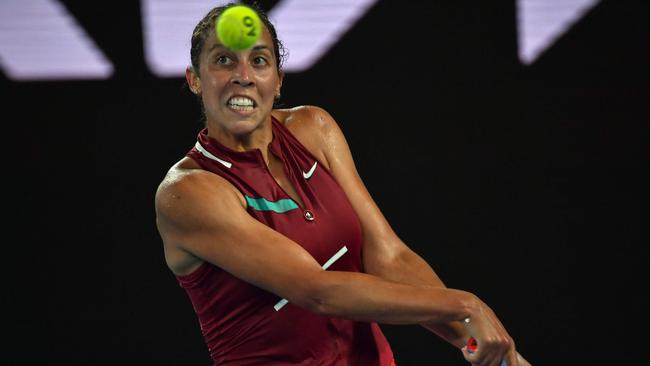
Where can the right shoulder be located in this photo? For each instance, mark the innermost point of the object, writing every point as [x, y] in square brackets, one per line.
[187, 190]
[184, 176]
[191, 205]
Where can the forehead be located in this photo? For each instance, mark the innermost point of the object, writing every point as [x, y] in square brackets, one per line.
[264, 40]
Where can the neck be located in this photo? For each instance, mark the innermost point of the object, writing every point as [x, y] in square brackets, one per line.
[258, 138]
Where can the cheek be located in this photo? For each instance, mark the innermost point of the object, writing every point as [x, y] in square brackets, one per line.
[271, 86]
[213, 88]
[272, 90]
[216, 80]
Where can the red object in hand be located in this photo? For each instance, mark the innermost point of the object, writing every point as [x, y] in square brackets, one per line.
[472, 345]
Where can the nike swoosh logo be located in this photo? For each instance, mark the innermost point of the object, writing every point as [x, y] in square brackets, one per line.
[310, 172]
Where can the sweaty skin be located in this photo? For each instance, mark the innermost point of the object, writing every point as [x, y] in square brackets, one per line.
[202, 217]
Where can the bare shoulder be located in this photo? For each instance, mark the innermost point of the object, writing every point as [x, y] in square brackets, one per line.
[182, 180]
[178, 176]
[306, 117]
[187, 188]
[313, 126]
[189, 201]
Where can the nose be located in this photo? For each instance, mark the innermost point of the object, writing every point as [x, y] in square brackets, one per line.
[242, 75]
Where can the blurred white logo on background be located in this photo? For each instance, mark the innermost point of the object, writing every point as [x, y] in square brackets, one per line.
[41, 40]
[541, 22]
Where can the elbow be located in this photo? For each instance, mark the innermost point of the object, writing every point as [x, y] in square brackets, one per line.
[315, 301]
[316, 297]
[316, 305]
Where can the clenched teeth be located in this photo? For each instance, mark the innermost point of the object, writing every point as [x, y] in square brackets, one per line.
[241, 102]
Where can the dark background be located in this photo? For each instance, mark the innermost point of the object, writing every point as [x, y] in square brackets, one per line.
[522, 184]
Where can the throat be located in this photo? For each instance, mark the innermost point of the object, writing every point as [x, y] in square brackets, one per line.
[276, 168]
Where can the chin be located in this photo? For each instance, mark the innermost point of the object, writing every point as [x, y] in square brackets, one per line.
[244, 127]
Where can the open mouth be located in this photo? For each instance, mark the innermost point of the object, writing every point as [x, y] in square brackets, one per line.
[241, 104]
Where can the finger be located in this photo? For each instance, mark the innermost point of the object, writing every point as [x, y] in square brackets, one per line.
[500, 354]
[509, 353]
[503, 342]
[495, 361]
[471, 357]
[489, 354]
[488, 357]
[510, 358]
[522, 361]
[505, 354]
[467, 355]
[506, 345]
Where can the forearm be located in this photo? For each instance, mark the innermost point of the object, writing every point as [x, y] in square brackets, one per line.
[364, 297]
[453, 332]
[409, 268]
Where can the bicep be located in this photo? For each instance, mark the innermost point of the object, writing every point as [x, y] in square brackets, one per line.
[211, 222]
[384, 253]
[381, 244]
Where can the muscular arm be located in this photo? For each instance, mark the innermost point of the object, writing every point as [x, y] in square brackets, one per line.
[409, 268]
[384, 254]
[387, 257]
[203, 215]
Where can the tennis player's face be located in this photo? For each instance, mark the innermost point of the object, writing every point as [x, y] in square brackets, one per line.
[238, 87]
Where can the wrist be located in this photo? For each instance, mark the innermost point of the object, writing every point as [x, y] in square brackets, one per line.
[454, 332]
[469, 308]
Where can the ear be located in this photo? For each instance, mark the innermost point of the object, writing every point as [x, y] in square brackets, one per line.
[193, 80]
[277, 89]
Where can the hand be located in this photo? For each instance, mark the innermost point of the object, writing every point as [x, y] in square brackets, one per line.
[494, 344]
[522, 361]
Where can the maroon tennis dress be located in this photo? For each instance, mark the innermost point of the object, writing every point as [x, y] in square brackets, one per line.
[245, 325]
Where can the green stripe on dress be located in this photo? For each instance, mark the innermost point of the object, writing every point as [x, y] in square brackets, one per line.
[262, 204]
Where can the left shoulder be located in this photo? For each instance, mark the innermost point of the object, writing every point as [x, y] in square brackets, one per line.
[306, 119]
[313, 126]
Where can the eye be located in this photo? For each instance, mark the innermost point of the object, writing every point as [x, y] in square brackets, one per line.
[223, 60]
[260, 61]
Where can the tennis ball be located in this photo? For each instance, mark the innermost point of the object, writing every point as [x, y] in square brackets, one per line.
[238, 27]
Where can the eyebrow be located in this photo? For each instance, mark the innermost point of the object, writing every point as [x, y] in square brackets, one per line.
[255, 48]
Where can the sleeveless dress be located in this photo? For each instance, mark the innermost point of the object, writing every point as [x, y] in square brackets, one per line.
[239, 321]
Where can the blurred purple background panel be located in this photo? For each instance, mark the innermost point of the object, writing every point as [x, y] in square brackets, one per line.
[167, 26]
[308, 28]
[40, 40]
[542, 22]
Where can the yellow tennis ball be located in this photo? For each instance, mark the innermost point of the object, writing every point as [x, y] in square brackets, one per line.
[238, 27]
